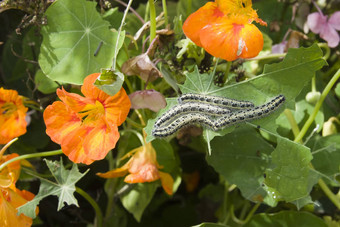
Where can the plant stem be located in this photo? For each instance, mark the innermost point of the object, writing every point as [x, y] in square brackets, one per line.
[292, 122]
[165, 10]
[2, 151]
[329, 193]
[152, 20]
[27, 156]
[99, 214]
[118, 36]
[249, 216]
[317, 107]
[189, 4]
[226, 73]
[270, 56]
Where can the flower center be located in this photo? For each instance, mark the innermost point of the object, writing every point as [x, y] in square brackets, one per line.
[8, 108]
[92, 112]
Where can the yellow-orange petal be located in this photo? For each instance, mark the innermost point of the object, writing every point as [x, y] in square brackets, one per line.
[72, 146]
[230, 41]
[146, 173]
[9, 201]
[117, 107]
[60, 120]
[119, 172]
[10, 174]
[197, 20]
[90, 91]
[167, 182]
[100, 140]
[74, 101]
[12, 115]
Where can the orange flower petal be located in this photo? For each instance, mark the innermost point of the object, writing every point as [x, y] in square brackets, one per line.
[12, 115]
[100, 140]
[91, 91]
[167, 182]
[74, 101]
[10, 174]
[72, 146]
[60, 121]
[9, 201]
[231, 41]
[117, 107]
[119, 172]
[196, 21]
[146, 173]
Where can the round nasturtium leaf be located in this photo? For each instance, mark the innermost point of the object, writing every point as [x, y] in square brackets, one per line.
[71, 38]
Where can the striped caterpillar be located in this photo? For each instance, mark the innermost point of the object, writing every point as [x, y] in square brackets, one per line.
[221, 122]
[190, 107]
[215, 100]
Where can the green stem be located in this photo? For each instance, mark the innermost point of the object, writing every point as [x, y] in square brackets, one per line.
[2, 151]
[99, 214]
[165, 10]
[313, 84]
[317, 106]
[27, 156]
[226, 74]
[292, 122]
[118, 36]
[327, 50]
[249, 216]
[329, 193]
[270, 56]
[189, 4]
[152, 20]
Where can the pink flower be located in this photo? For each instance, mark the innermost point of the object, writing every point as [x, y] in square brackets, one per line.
[327, 28]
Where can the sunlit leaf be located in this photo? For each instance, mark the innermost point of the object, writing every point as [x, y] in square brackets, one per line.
[110, 82]
[292, 177]
[67, 50]
[63, 187]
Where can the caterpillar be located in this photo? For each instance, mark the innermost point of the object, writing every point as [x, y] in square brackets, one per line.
[181, 121]
[215, 100]
[191, 107]
[221, 122]
[250, 114]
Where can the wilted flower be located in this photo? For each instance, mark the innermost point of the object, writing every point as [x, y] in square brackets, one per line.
[327, 28]
[224, 29]
[12, 115]
[86, 127]
[150, 99]
[142, 167]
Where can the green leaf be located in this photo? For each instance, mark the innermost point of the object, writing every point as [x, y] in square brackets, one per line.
[292, 178]
[286, 219]
[67, 50]
[44, 84]
[110, 82]
[138, 198]
[326, 157]
[242, 157]
[64, 187]
[278, 78]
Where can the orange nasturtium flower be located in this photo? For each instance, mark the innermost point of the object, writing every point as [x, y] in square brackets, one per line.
[142, 167]
[10, 197]
[224, 29]
[86, 127]
[12, 115]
